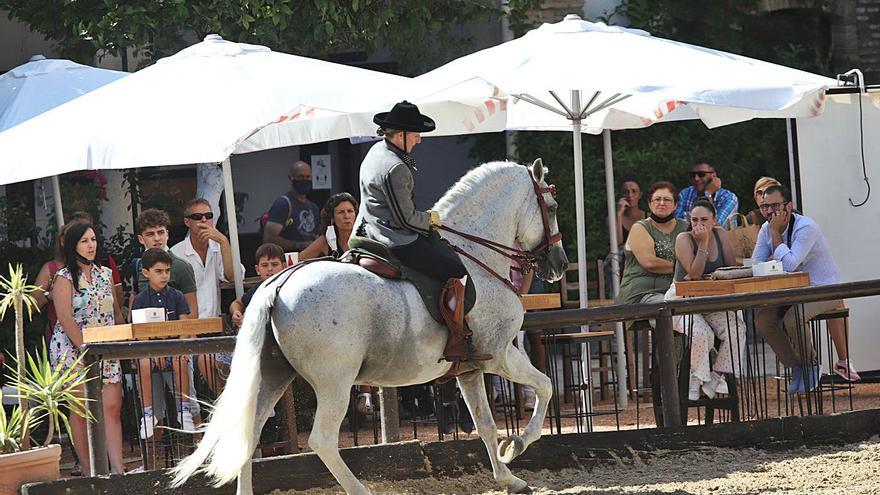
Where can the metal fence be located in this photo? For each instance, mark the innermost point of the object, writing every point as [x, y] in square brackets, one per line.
[666, 379]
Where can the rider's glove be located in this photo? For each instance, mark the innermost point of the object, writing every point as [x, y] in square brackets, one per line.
[435, 218]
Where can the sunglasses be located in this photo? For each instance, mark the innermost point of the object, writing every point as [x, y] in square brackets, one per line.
[198, 216]
[701, 173]
[771, 206]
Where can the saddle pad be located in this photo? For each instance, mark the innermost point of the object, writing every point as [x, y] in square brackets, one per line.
[428, 287]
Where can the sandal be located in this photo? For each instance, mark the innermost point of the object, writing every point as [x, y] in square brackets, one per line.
[76, 471]
[364, 403]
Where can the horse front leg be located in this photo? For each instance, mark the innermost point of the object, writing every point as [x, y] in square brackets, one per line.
[517, 368]
[474, 392]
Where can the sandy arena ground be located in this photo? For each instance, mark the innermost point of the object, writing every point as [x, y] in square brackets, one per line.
[827, 470]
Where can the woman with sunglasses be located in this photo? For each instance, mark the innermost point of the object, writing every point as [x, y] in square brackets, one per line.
[701, 250]
[755, 216]
[649, 252]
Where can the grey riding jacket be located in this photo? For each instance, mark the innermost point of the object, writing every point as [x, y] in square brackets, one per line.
[387, 212]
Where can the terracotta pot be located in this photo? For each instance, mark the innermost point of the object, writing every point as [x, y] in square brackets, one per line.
[40, 464]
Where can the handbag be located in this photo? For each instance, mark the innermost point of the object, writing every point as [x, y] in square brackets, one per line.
[743, 236]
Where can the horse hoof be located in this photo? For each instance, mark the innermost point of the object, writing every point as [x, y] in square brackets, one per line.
[519, 486]
[510, 448]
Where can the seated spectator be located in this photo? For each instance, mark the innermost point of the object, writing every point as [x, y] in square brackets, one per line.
[270, 260]
[82, 293]
[701, 250]
[755, 216]
[796, 241]
[649, 252]
[156, 269]
[337, 223]
[706, 185]
[293, 222]
[629, 211]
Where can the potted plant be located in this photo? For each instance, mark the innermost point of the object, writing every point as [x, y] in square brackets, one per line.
[44, 392]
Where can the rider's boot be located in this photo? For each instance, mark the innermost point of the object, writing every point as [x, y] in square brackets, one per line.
[460, 346]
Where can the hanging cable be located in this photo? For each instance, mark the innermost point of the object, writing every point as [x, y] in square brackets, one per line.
[856, 78]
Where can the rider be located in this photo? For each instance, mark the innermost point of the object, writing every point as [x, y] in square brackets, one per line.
[387, 214]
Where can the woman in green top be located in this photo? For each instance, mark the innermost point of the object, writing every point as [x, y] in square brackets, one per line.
[649, 252]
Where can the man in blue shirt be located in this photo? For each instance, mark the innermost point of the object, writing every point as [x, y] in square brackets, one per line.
[294, 221]
[796, 241]
[707, 185]
[156, 269]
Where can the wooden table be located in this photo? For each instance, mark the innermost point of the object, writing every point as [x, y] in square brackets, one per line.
[159, 329]
[691, 288]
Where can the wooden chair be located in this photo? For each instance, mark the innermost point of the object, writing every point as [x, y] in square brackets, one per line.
[569, 291]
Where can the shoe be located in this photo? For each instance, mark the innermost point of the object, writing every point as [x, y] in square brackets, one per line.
[797, 380]
[186, 421]
[811, 378]
[694, 389]
[711, 387]
[147, 424]
[844, 369]
[722, 387]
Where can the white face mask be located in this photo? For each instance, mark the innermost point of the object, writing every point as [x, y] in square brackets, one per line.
[330, 235]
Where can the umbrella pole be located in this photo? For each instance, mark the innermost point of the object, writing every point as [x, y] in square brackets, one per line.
[581, 252]
[622, 395]
[56, 197]
[232, 222]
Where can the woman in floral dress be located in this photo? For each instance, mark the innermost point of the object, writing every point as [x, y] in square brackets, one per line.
[88, 302]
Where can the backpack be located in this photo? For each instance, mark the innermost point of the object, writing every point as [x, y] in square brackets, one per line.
[264, 218]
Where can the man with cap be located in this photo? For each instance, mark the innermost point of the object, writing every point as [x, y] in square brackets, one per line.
[388, 215]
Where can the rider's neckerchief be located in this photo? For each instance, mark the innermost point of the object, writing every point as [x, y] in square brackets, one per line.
[405, 157]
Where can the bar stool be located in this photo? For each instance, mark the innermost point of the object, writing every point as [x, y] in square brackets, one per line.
[555, 343]
[834, 383]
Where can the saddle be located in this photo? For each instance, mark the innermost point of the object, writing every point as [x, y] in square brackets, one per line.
[375, 257]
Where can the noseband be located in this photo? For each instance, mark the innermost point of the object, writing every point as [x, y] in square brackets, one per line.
[526, 259]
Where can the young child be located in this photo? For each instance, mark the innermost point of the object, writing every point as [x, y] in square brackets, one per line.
[270, 260]
[156, 269]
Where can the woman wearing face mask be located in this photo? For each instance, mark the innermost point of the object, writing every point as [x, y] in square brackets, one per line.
[649, 252]
[700, 251]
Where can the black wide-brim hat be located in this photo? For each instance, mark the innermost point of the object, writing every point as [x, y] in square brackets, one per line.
[405, 117]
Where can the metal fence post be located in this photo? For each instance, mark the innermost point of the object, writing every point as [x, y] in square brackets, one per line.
[667, 362]
[389, 414]
[95, 429]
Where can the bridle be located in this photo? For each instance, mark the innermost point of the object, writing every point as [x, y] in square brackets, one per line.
[525, 259]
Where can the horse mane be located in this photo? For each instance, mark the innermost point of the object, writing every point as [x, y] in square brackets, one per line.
[476, 178]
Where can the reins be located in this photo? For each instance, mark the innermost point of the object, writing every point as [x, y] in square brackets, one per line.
[522, 257]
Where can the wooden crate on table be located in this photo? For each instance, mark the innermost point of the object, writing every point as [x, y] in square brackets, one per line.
[691, 288]
[154, 330]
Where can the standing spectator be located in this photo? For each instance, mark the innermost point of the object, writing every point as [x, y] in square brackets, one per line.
[797, 241]
[209, 253]
[293, 219]
[82, 294]
[649, 252]
[706, 185]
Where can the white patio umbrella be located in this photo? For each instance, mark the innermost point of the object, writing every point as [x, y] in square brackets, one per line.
[42, 84]
[216, 98]
[588, 77]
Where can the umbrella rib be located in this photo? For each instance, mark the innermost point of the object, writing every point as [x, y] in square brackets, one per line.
[583, 111]
[562, 104]
[538, 103]
[605, 104]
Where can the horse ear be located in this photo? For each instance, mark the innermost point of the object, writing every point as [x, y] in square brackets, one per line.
[538, 170]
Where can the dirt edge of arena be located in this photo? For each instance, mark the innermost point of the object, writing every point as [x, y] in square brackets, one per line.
[408, 460]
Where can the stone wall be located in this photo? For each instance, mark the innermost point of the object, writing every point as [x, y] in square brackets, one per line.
[555, 10]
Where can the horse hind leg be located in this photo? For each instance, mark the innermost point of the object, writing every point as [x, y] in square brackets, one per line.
[276, 374]
[474, 392]
[333, 398]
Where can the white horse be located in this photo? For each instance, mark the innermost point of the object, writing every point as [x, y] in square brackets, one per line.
[337, 325]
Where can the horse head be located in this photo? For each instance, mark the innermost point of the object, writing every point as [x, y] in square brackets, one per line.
[537, 229]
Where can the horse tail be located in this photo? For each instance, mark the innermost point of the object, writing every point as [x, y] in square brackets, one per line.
[228, 441]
